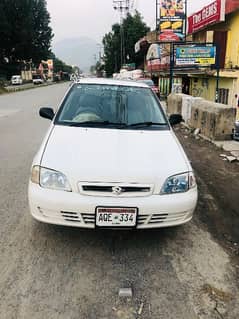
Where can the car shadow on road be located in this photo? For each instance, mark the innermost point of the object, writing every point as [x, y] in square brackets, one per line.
[106, 238]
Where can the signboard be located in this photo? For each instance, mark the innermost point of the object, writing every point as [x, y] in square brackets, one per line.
[50, 64]
[129, 66]
[158, 64]
[153, 52]
[210, 14]
[172, 20]
[158, 57]
[196, 55]
[231, 6]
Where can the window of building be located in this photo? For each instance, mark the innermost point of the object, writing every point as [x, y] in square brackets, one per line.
[205, 83]
[220, 40]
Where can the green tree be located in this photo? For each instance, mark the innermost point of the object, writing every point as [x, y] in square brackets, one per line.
[42, 32]
[133, 28]
[24, 31]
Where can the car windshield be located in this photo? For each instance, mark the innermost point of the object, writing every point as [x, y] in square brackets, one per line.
[111, 105]
[36, 77]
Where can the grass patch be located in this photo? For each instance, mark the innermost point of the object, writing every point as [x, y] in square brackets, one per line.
[2, 90]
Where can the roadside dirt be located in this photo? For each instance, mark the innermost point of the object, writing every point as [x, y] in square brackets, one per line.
[219, 180]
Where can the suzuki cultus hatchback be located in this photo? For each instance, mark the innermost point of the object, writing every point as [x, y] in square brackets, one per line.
[111, 159]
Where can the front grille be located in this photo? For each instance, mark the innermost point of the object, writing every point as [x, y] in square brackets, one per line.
[126, 189]
[84, 218]
[108, 189]
[142, 219]
[158, 218]
[88, 218]
[71, 216]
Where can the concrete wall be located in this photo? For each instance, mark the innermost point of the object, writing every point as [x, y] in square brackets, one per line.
[174, 104]
[214, 120]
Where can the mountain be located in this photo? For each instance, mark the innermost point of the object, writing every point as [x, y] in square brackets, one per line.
[81, 52]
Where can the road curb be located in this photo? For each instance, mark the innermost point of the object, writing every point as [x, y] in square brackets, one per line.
[19, 89]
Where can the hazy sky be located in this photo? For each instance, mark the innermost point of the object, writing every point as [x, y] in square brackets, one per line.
[94, 18]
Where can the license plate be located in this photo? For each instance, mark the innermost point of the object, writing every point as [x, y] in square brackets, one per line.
[116, 216]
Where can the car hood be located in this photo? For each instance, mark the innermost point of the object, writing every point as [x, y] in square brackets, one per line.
[113, 155]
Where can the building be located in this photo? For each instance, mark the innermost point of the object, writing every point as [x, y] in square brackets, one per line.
[217, 23]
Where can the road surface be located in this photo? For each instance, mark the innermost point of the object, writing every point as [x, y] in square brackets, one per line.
[187, 272]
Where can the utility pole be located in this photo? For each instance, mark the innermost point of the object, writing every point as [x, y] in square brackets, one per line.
[123, 7]
[158, 4]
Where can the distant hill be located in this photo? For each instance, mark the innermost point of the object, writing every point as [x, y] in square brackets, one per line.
[77, 51]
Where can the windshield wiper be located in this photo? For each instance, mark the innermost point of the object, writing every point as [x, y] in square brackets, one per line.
[114, 124]
[97, 123]
[145, 124]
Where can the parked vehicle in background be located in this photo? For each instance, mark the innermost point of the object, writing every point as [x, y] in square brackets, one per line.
[150, 83]
[236, 131]
[16, 80]
[111, 159]
[37, 79]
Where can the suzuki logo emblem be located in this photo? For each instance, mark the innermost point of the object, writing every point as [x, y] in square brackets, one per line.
[116, 190]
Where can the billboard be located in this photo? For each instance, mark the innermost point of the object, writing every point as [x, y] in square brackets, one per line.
[50, 64]
[172, 18]
[195, 55]
[210, 14]
[158, 57]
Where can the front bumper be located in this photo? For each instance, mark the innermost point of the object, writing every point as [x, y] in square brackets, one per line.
[74, 209]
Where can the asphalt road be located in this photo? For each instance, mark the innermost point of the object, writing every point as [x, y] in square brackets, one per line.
[53, 272]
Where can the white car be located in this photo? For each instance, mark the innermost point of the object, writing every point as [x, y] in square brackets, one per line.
[37, 79]
[16, 80]
[111, 159]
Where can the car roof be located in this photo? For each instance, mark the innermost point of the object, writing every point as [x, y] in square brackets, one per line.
[144, 79]
[105, 81]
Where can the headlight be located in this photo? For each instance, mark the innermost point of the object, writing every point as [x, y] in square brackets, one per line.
[48, 178]
[178, 184]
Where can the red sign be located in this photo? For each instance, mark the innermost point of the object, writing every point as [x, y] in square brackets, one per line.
[210, 14]
[158, 64]
[169, 36]
[232, 5]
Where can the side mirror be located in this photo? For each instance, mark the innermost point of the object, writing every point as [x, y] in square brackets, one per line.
[175, 119]
[47, 113]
